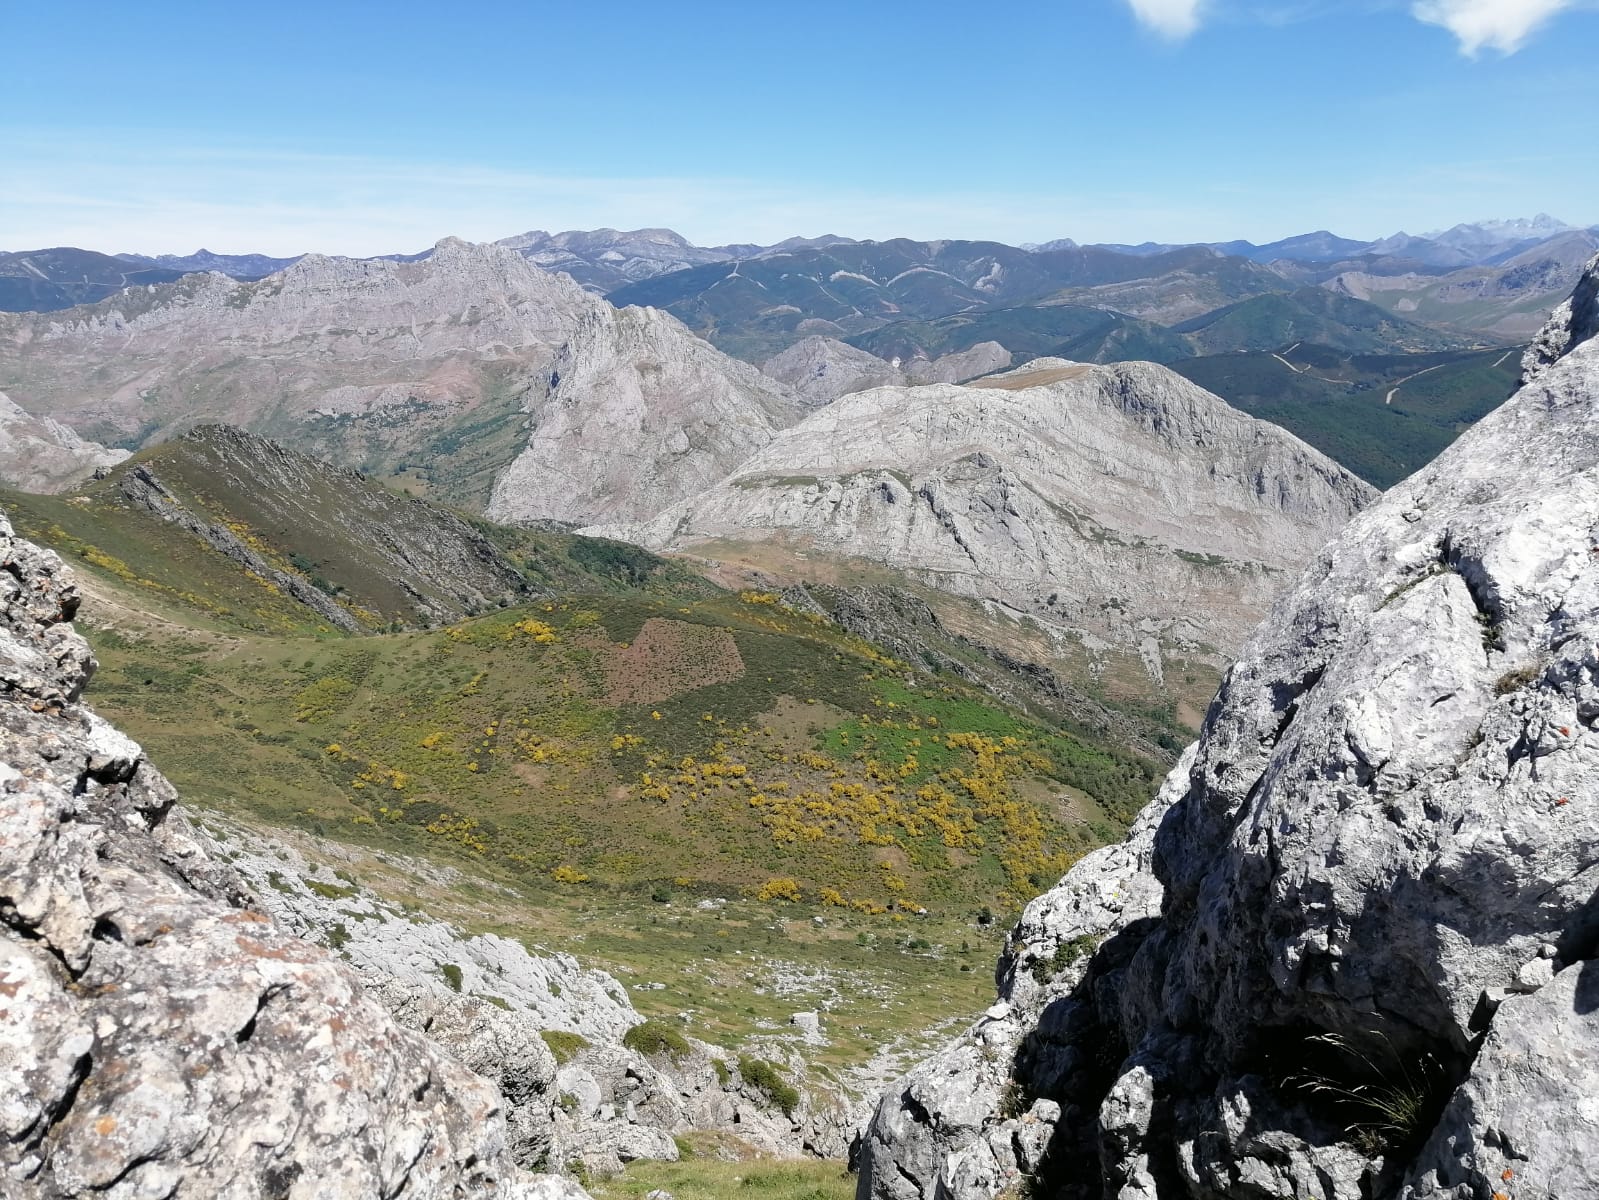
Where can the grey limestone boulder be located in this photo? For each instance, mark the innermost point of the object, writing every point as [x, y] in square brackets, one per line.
[157, 1038]
[1357, 948]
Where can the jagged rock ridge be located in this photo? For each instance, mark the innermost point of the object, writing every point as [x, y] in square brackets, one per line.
[1349, 950]
[1122, 505]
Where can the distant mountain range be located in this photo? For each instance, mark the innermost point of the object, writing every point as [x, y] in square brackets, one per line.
[1256, 326]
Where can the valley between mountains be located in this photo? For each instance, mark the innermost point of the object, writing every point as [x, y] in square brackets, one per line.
[626, 691]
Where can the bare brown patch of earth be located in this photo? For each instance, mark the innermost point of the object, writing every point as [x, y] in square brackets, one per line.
[668, 658]
[1015, 383]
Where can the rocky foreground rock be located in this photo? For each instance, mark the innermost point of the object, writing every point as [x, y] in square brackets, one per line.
[158, 1037]
[1350, 950]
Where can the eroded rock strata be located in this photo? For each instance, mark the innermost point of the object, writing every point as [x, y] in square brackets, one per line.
[1350, 949]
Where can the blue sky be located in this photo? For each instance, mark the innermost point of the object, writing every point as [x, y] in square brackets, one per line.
[357, 127]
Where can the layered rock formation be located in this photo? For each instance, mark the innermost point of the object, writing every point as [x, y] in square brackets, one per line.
[158, 1037]
[1121, 505]
[1349, 950]
[38, 454]
[435, 368]
[635, 413]
[821, 369]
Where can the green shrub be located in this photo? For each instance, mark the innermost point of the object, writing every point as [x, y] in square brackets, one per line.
[563, 1044]
[656, 1037]
[765, 1078]
[452, 976]
[1066, 954]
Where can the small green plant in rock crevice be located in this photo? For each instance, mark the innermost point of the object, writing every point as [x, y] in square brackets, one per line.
[1386, 1098]
[765, 1078]
[563, 1044]
[452, 975]
[1067, 954]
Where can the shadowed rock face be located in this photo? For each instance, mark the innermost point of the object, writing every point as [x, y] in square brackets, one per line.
[157, 1038]
[1349, 951]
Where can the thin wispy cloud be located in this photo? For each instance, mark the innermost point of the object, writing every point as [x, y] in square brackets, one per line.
[1169, 18]
[1502, 25]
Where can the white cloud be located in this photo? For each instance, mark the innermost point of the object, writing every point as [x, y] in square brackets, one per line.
[1501, 25]
[1169, 18]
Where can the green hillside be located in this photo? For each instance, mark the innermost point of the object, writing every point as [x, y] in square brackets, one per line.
[1064, 331]
[605, 720]
[1313, 315]
[632, 743]
[1382, 416]
[385, 560]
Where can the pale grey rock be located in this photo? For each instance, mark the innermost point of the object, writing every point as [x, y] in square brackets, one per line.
[39, 454]
[821, 369]
[158, 1038]
[809, 1025]
[1389, 818]
[636, 413]
[1573, 322]
[1531, 1104]
[1121, 505]
[960, 365]
[485, 999]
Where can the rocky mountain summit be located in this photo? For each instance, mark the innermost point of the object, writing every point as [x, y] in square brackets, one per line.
[1348, 950]
[636, 414]
[439, 369]
[1120, 505]
[117, 932]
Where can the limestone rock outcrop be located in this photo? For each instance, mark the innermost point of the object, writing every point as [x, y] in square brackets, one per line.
[489, 1001]
[39, 454]
[158, 1038]
[636, 413]
[1350, 950]
[1120, 505]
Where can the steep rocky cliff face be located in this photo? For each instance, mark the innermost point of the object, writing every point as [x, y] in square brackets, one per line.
[635, 414]
[1349, 951]
[157, 1036]
[38, 454]
[1119, 505]
[435, 370]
